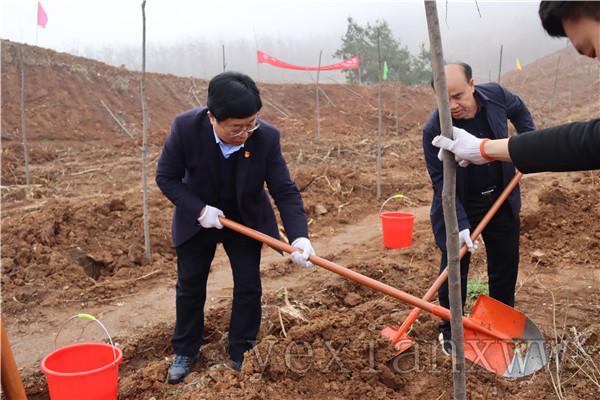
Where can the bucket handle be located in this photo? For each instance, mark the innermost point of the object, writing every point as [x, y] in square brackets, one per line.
[91, 318]
[394, 197]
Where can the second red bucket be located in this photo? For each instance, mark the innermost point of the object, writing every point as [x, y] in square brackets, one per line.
[397, 227]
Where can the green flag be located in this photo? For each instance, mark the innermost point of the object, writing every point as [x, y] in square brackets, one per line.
[385, 71]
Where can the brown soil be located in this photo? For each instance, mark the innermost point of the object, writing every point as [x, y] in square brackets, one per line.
[72, 241]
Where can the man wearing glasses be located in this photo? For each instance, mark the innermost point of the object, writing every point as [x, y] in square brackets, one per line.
[215, 163]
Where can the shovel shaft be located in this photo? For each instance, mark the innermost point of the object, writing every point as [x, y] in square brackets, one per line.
[414, 314]
[359, 278]
[330, 266]
[11, 380]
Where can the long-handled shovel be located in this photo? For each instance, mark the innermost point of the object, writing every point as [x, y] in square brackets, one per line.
[497, 337]
[399, 338]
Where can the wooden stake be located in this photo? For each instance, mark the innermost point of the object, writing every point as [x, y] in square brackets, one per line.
[449, 204]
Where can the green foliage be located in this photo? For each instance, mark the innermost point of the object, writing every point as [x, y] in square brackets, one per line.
[403, 66]
[475, 287]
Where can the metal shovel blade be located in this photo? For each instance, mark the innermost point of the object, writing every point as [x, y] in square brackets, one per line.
[522, 353]
[400, 342]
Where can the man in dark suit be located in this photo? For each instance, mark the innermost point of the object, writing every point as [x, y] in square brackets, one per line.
[215, 163]
[569, 147]
[483, 111]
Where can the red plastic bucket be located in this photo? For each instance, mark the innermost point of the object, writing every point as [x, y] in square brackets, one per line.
[397, 229]
[83, 371]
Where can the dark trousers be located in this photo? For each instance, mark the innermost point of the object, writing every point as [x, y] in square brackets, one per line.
[501, 237]
[193, 264]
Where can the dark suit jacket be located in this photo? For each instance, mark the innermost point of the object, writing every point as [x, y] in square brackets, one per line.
[569, 147]
[500, 105]
[188, 175]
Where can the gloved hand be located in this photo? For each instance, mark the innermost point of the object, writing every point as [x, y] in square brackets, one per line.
[464, 237]
[209, 217]
[301, 258]
[466, 147]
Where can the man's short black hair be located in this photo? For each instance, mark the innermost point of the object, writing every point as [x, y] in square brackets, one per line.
[466, 69]
[233, 95]
[552, 14]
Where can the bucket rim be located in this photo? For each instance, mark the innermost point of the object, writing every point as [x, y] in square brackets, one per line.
[397, 215]
[115, 362]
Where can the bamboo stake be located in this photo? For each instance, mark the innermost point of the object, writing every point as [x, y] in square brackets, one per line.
[145, 139]
[449, 204]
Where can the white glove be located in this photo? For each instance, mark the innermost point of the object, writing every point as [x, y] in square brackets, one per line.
[466, 147]
[209, 217]
[301, 258]
[464, 237]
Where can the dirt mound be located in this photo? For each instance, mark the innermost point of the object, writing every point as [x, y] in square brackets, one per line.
[558, 88]
[562, 213]
[73, 239]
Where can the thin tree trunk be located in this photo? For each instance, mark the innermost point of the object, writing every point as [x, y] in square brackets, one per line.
[554, 87]
[145, 139]
[500, 64]
[317, 97]
[378, 161]
[449, 204]
[224, 64]
[23, 123]
[257, 63]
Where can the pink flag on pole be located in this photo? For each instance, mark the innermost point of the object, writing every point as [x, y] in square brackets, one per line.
[42, 16]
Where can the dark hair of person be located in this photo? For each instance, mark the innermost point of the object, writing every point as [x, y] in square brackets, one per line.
[233, 95]
[466, 69]
[552, 14]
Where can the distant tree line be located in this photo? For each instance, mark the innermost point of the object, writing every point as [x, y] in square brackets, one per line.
[402, 65]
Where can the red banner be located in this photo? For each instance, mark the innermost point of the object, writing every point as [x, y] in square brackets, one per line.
[350, 63]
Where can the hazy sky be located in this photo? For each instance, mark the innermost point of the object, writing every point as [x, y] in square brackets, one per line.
[75, 25]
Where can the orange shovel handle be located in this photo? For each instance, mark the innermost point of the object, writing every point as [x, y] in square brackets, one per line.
[359, 278]
[414, 314]
[11, 381]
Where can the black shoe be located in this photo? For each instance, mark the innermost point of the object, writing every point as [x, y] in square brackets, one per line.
[446, 344]
[236, 365]
[181, 367]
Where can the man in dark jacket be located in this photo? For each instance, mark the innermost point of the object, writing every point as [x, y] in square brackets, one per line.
[569, 147]
[482, 110]
[215, 163]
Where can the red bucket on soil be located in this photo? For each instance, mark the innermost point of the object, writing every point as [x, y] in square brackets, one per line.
[83, 371]
[397, 229]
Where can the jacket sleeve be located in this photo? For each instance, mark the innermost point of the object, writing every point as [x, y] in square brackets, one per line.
[436, 172]
[569, 147]
[517, 112]
[170, 172]
[285, 193]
